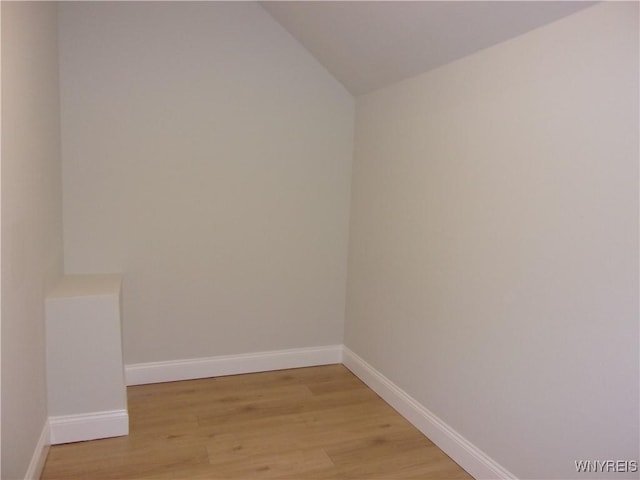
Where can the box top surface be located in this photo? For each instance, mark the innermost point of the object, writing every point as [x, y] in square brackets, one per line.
[86, 285]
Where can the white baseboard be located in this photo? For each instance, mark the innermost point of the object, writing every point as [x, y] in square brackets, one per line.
[463, 452]
[89, 426]
[171, 371]
[39, 455]
[466, 454]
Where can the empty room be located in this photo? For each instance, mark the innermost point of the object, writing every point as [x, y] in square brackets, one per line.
[330, 240]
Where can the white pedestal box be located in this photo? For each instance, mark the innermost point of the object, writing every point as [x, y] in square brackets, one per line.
[87, 395]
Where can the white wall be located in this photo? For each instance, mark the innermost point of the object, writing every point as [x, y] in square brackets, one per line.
[31, 220]
[207, 156]
[493, 271]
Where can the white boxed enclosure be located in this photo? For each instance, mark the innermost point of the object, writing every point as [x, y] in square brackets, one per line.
[85, 374]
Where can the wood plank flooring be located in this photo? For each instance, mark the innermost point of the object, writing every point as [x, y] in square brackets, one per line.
[306, 423]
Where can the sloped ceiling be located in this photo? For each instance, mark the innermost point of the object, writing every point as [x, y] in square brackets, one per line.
[368, 45]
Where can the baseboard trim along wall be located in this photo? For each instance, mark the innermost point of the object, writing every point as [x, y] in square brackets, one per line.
[171, 371]
[39, 454]
[89, 426]
[463, 452]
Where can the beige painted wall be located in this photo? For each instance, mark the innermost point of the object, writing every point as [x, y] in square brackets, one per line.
[207, 157]
[31, 220]
[493, 269]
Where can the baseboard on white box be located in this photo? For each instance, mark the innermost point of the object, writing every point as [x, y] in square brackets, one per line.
[463, 452]
[171, 371]
[39, 455]
[89, 426]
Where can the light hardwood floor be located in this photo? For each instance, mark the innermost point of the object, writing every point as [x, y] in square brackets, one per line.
[306, 423]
